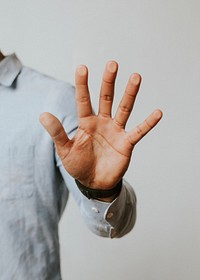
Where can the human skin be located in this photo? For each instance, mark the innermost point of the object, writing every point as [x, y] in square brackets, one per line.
[1, 56]
[99, 154]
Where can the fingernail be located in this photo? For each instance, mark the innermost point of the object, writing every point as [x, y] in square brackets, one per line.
[82, 70]
[112, 66]
[45, 118]
[157, 114]
[135, 79]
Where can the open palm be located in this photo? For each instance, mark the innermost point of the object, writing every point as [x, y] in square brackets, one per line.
[100, 152]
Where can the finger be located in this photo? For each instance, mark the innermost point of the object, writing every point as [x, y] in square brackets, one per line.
[127, 102]
[107, 88]
[141, 130]
[82, 92]
[56, 131]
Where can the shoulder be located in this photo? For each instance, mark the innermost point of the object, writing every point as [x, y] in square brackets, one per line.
[42, 82]
[56, 96]
[46, 88]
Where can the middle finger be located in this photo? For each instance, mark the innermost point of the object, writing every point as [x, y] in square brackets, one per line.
[107, 89]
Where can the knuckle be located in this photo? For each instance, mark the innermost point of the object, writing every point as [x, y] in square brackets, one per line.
[83, 99]
[139, 131]
[131, 141]
[147, 124]
[118, 123]
[104, 114]
[106, 97]
[108, 81]
[130, 93]
[58, 134]
[124, 109]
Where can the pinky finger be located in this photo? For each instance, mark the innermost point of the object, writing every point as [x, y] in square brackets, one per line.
[141, 130]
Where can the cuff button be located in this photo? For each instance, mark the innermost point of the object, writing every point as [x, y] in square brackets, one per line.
[109, 215]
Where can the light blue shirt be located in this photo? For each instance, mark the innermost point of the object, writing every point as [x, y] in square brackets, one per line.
[34, 185]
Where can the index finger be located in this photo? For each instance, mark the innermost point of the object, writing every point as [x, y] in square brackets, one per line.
[84, 107]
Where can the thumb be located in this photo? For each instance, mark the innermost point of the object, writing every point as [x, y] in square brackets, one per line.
[55, 130]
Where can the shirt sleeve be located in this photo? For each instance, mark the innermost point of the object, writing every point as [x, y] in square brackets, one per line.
[105, 219]
[113, 219]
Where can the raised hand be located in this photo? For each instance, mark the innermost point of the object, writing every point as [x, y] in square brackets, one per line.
[100, 152]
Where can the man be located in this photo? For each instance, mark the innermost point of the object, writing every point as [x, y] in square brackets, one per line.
[35, 178]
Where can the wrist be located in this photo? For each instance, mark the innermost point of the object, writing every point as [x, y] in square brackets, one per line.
[106, 195]
[107, 199]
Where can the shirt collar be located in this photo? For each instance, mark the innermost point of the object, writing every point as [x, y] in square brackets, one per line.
[10, 67]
